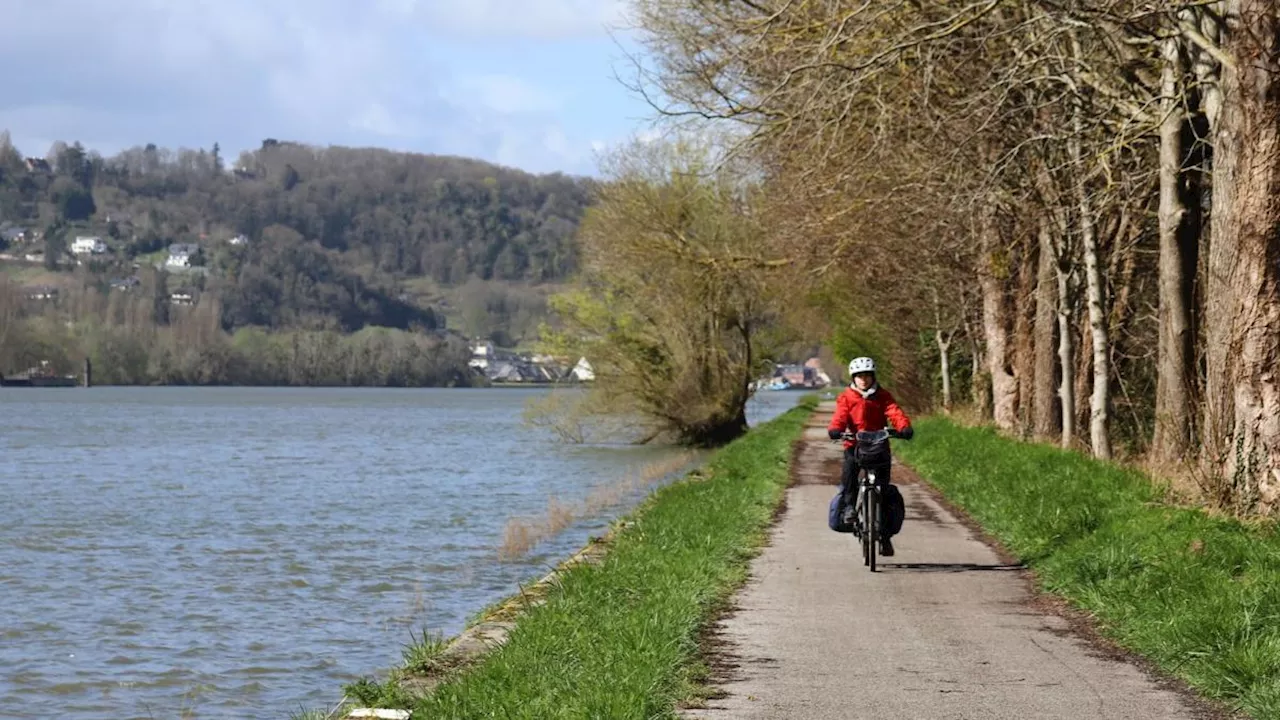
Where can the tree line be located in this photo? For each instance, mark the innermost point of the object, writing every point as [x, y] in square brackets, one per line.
[1065, 214]
[141, 338]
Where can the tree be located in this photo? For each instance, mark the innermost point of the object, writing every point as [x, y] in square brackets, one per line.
[1242, 409]
[55, 245]
[673, 302]
[74, 202]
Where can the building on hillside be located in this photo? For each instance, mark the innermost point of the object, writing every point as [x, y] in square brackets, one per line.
[506, 372]
[182, 254]
[239, 240]
[40, 292]
[13, 235]
[91, 245]
[38, 165]
[483, 354]
[794, 375]
[126, 284]
[583, 372]
[821, 379]
[183, 296]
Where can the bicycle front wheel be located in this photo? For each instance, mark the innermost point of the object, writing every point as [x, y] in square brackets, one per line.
[871, 510]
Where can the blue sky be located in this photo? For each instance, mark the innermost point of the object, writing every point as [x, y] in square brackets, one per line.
[526, 83]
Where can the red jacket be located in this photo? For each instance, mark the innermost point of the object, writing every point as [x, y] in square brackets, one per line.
[854, 413]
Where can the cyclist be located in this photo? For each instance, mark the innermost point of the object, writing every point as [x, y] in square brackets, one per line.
[864, 405]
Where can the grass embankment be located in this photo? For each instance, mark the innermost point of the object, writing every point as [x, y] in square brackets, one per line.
[1198, 595]
[620, 639]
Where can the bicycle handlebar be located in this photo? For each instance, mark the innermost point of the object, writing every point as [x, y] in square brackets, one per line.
[853, 437]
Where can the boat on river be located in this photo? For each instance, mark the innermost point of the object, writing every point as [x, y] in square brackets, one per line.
[42, 376]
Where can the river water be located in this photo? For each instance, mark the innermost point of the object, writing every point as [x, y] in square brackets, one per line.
[228, 552]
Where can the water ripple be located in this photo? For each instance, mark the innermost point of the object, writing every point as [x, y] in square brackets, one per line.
[216, 550]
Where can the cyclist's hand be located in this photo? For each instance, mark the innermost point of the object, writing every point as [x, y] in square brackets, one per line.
[835, 434]
[906, 433]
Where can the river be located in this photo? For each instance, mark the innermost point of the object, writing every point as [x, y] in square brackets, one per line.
[243, 552]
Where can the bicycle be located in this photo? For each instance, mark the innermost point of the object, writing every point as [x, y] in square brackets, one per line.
[867, 507]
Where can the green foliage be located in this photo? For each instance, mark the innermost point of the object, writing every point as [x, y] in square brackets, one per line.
[672, 301]
[367, 693]
[1199, 595]
[423, 654]
[73, 201]
[855, 330]
[622, 636]
[498, 311]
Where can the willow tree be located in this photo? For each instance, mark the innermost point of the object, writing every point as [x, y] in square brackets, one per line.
[674, 299]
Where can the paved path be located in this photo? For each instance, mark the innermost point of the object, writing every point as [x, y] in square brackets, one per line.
[945, 630]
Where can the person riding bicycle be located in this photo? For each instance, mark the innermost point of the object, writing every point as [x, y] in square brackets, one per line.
[864, 405]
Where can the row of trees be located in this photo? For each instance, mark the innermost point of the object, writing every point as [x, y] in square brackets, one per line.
[1079, 201]
[137, 338]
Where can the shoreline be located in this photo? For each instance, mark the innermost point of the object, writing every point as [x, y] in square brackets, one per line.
[459, 660]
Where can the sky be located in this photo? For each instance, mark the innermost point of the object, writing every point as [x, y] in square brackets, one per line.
[524, 83]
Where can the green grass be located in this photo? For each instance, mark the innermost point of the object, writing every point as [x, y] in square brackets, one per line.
[621, 639]
[1197, 594]
[423, 654]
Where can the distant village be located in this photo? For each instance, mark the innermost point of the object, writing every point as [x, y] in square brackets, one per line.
[806, 376]
[507, 367]
[23, 245]
[501, 367]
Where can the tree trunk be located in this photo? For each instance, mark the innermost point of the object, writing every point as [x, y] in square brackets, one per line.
[1046, 420]
[1172, 437]
[944, 359]
[1024, 347]
[979, 387]
[1243, 315]
[1099, 435]
[1004, 385]
[1084, 364]
[1205, 68]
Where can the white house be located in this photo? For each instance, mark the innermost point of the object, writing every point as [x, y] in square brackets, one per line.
[42, 292]
[239, 240]
[180, 254]
[481, 355]
[14, 235]
[582, 372]
[88, 245]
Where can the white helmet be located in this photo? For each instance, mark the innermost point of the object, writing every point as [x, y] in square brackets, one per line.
[861, 365]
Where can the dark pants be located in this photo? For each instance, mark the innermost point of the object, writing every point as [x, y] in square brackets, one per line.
[890, 523]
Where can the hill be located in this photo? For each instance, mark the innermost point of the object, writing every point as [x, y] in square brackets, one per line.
[298, 236]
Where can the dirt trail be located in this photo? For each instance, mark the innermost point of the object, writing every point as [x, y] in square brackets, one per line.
[947, 629]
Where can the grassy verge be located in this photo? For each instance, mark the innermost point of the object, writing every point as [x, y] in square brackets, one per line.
[619, 639]
[1198, 595]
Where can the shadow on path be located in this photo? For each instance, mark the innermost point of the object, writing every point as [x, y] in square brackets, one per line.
[952, 567]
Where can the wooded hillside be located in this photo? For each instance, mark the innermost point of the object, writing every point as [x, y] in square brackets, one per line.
[198, 257]
[335, 237]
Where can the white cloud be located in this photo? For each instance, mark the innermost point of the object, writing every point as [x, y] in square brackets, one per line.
[542, 19]
[181, 72]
